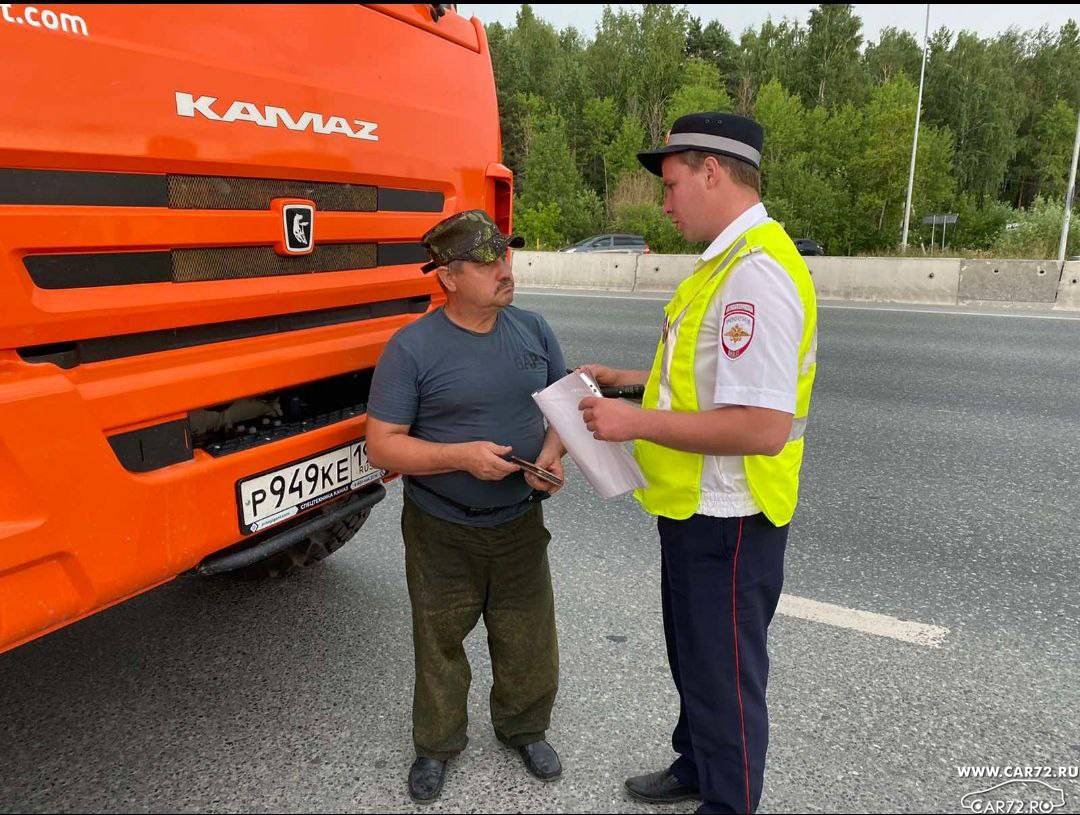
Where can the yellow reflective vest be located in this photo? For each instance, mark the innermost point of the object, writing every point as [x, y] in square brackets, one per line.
[674, 477]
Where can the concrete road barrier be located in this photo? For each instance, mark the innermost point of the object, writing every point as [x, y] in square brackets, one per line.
[909, 280]
[559, 270]
[899, 280]
[663, 273]
[937, 281]
[1068, 294]
[1013, 281]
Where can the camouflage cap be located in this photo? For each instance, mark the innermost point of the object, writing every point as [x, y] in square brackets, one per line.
[469, 235]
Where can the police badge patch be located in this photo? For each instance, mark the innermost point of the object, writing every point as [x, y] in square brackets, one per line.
[738, 330]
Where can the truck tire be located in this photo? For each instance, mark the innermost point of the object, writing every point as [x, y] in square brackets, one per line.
[316, 547]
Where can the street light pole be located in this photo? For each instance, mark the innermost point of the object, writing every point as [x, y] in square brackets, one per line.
[1070, 191]
[915, 140]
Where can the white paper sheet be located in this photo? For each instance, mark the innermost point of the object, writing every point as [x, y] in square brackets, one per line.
[608, 466]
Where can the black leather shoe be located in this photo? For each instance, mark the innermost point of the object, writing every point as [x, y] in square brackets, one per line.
[541, 760]
[660, 788]
[426, 778]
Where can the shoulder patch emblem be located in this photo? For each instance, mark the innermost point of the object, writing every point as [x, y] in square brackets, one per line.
[738, 330]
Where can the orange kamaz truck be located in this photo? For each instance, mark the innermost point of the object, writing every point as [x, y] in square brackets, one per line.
[209, 229]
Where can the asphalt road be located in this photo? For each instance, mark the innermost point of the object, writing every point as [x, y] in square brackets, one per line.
[941, 487]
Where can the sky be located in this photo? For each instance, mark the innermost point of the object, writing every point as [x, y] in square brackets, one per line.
[986, 19]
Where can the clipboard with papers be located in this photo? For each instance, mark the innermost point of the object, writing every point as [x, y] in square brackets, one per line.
[607, 466]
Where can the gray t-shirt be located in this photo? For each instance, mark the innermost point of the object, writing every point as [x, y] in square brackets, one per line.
[453, 385]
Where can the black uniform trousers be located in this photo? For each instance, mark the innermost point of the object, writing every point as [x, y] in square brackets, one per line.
[721, 581]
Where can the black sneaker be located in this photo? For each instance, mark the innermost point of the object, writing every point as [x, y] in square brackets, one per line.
[426, 778]
[541, 760]
[660, 788]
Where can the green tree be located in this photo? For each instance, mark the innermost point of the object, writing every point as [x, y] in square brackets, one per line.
[1054, 136]
[600, 119]
[621, 154]
[772, 52]
[540, 225]
[1053, 66]
[701, 90]
[784, 120]
[715, 45]
[610, 56]
[549, 173]
[532, 60]
[977, 226]
[636, 59]
[573, 90]
[802, 185]
[1047, 66]
[896, 52]
[832, 72]
[551, 176]
[811, 205]
[880, 174]
[613, 143]
[972, 89]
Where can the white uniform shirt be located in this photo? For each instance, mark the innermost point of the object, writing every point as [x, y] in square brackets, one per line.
[747, 354]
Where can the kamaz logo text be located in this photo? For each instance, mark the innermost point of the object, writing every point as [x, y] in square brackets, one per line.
[269, 116]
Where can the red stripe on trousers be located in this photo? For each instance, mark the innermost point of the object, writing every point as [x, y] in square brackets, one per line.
[738, 675]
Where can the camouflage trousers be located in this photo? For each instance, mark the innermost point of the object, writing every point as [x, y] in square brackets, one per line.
[456, 574]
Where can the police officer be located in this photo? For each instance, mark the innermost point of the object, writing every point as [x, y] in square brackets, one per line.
[450, 400]
[719, 438]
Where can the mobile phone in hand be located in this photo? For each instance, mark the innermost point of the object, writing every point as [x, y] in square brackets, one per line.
[539, 472]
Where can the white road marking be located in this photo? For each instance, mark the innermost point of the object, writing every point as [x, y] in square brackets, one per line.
[957, 313]
[868, 622]
[595, 295]
[821, 305]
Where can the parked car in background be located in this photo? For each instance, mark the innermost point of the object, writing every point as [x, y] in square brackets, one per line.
[809, 247]
[611, 243]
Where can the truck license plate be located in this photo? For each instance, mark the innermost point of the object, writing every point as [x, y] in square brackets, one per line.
[277, 495]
